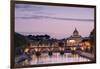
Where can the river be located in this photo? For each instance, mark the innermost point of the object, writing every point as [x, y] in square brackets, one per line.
[56, 58]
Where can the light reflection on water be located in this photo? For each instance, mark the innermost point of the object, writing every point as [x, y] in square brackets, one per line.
[56, 58]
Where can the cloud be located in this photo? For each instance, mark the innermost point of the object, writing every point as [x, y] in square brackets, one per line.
[50, 17]
[28, 7]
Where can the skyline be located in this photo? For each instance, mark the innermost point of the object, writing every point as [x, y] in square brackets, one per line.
[53, 19]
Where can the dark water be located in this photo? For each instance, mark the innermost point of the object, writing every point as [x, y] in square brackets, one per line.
[56, 58]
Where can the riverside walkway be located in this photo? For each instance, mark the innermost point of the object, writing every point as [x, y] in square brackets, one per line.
[86, 55]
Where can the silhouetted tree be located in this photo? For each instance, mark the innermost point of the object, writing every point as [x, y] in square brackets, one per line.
[19, 43]
[92, 39]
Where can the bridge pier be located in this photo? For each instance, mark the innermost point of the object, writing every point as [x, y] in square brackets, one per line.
[38, 52]
[61, 50]
[50, 51]
[73, 52]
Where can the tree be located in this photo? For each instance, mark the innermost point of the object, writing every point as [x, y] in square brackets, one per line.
[19, 43]
[92, 39]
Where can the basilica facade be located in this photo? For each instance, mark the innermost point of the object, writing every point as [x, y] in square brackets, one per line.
[74, 40]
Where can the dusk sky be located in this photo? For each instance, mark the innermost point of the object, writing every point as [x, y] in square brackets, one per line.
[58, 22]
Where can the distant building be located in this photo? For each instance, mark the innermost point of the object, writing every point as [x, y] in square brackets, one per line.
[74, 40]
[86, 44]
